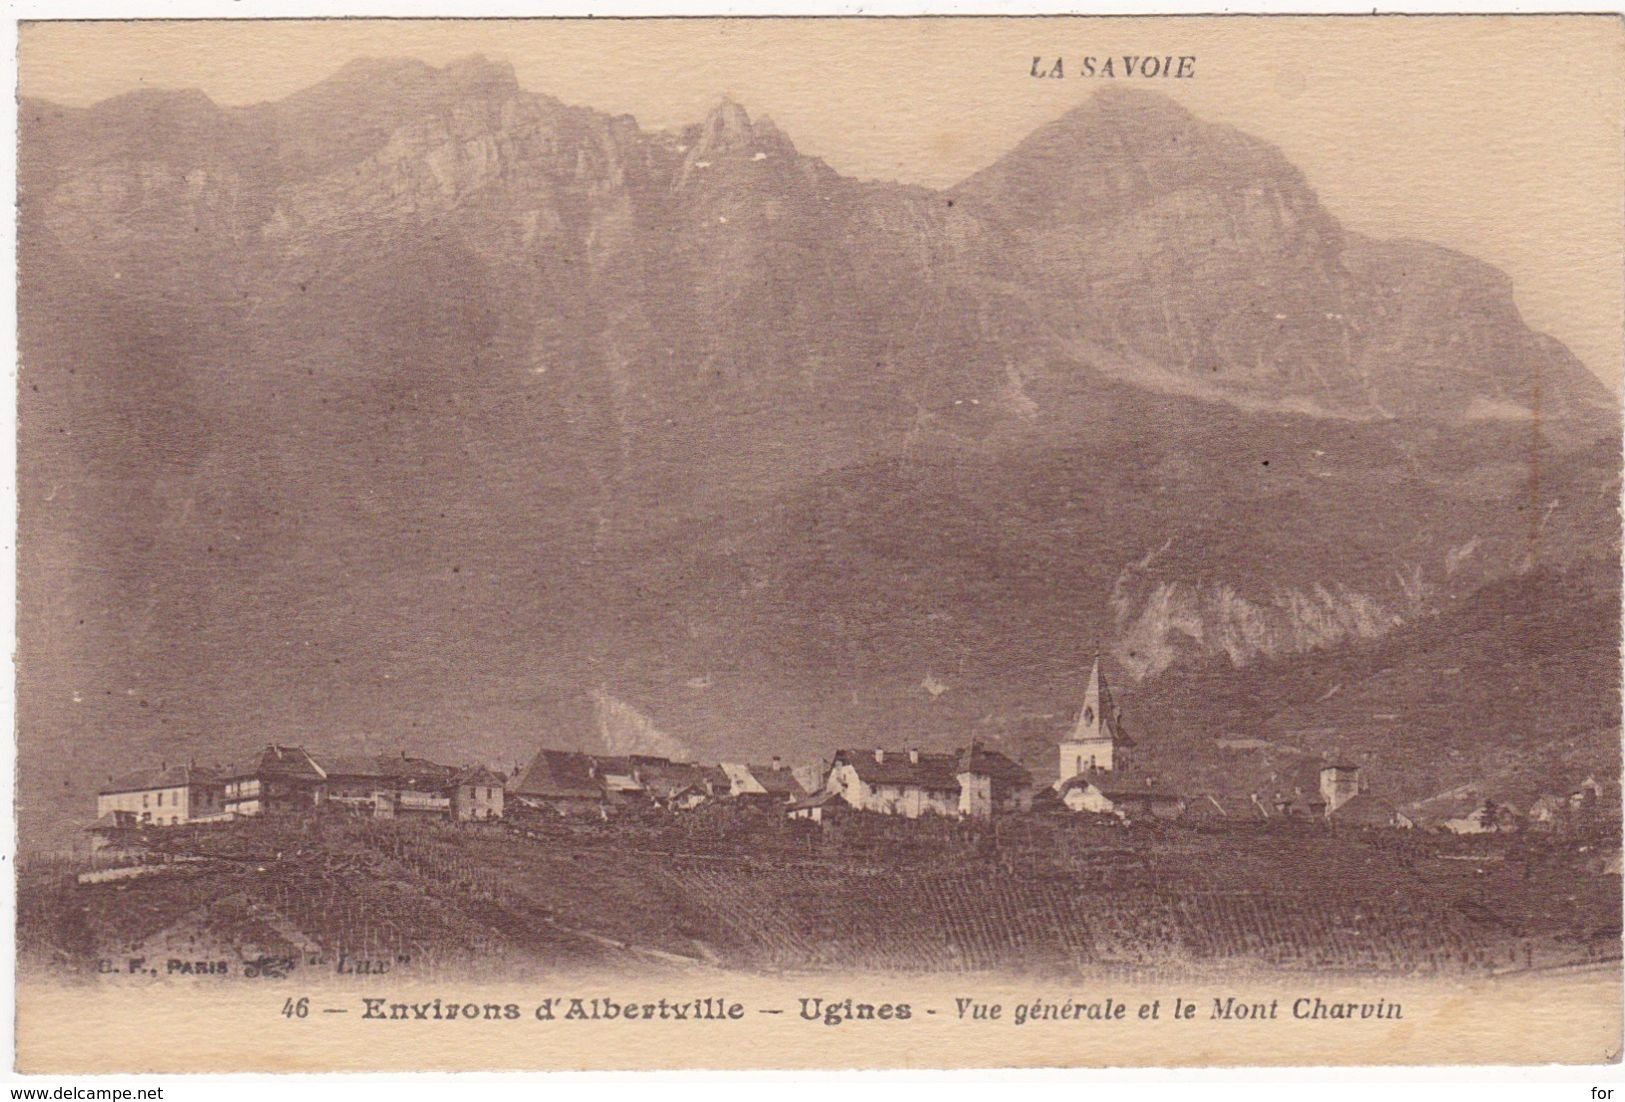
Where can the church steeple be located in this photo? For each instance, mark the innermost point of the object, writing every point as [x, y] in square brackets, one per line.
[1097, 740]
[1099, 716]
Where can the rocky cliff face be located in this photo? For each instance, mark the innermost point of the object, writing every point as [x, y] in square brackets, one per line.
[420, 399]
[1202, 263]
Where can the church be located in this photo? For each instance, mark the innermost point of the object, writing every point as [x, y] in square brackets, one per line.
[1098, 742]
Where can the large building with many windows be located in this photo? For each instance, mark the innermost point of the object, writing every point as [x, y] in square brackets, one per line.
[166, 796]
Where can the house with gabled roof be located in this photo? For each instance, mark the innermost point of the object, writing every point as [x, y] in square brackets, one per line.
[1365, 810]
[562, 781]
[991, 783]
[383, 784]
[811, 775]
[714, 779]
[774, 783]
[1081, 793]
[675, 785]
[281, 779]
[1486, 817]
[1124, 794]
[115, 833]
[1299, 804]
[166, 796]
[618, 777]
[910, 783]
[818, 806]
[475, 793]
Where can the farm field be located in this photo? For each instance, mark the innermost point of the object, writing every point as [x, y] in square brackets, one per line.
[729, 889]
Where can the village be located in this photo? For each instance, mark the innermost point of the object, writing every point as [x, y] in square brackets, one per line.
[1099, 773]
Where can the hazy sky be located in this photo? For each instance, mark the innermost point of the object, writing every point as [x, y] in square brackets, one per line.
[1501, 136]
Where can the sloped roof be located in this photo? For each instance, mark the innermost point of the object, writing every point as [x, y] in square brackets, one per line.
[173, 776]
[778, 782]
[991, 763]
[617, 774]
[285, 762]
[112, 821]
[817, 799]
[1118, 784]
[1076, 781]
[475, 774]
[932, 772]
[1364, 809]
[714, 776]
[397, 768]
[1303, 804]
[1099, 717]
[664, 779]
[1455, 804]
[559, 774]
[739, 778]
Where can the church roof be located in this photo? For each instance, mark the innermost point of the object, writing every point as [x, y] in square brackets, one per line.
[1099, 718]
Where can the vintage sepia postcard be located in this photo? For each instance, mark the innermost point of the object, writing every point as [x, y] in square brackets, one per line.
[818, 543]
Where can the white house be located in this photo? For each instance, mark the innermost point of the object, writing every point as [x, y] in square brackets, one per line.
[774, 783]
[991, 784]
[1338, 785]
[891, 782]
[973, 783]
[1117, 793]
[166, 796]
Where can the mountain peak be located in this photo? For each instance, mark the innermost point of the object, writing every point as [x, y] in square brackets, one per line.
[728, 130]
[480, 72]
[403, 80]
[1121, 97]
[727, 127]
[1119, 150]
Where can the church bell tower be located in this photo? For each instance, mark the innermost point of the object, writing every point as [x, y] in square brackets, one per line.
[1097, 741]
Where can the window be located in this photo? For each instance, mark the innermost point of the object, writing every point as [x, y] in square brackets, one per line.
[143, 799]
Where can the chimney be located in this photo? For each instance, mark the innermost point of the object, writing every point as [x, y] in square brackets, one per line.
[880, 755]
[776, 764]
[914, 755]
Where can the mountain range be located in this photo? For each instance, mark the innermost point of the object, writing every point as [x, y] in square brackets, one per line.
[420, 410]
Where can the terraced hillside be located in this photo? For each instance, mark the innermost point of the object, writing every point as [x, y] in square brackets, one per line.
[724, 888]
